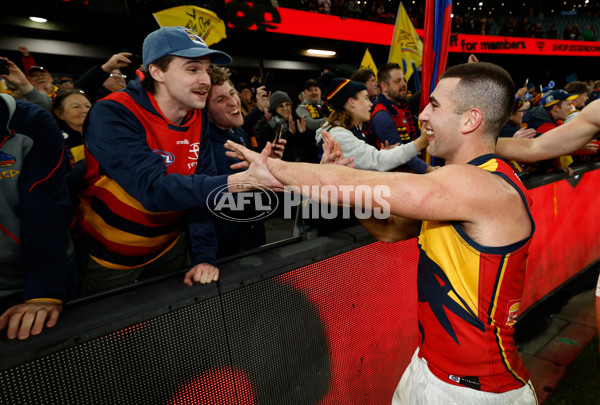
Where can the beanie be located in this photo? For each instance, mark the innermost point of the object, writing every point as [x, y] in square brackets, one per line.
[310, 83]
[338, 90]
[277, 98]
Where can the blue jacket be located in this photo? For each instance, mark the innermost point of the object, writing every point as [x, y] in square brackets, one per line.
[35, 208]
[235, 237]
[117, 140]
[384, 126]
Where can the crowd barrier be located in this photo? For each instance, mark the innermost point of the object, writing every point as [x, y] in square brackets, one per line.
[329, 320]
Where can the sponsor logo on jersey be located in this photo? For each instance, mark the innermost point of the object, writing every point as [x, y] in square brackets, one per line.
[183, 142]
[168, 157]
[194, 151]
[513, 312]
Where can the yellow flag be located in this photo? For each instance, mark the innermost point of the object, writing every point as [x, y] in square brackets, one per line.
[406, 46]
[368, 62]
[204, 22]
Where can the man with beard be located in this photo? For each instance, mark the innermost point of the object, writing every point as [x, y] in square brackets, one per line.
[392, 121]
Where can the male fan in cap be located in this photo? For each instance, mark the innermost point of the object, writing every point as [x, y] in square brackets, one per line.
[313, 108]
[42, 80]
[150, 169]
[552, 112]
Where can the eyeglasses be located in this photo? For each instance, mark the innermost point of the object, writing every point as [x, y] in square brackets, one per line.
[118, 75]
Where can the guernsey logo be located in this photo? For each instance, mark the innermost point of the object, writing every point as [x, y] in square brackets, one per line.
[6, 160]
[168, 157]
[513, 312]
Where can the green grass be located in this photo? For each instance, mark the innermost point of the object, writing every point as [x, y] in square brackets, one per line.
[581, 382]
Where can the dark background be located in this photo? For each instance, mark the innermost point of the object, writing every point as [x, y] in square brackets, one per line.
[110, 26]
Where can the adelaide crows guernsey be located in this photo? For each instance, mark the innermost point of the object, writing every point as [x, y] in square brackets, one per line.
[121, 233]
[469, 297]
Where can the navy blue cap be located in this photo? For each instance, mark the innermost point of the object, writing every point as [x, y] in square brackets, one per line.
[179, 41]
[555, 96]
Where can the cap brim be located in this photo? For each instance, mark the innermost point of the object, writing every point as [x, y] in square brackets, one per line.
[572, 96]
[217, 57]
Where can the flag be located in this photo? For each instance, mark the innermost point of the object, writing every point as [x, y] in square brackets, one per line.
[204, 22]
[368, 62]
[406, 47]
[436, 34]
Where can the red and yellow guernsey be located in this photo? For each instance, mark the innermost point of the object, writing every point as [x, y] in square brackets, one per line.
[469, 297]
[120, 232]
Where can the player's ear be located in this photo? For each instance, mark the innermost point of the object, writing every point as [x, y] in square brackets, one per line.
[471, 120]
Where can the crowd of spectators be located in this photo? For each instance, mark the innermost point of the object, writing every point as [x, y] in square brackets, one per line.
[578, 27]
[373, 118]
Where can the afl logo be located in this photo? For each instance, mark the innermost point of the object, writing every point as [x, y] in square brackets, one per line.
[244, 206]
[168, 158]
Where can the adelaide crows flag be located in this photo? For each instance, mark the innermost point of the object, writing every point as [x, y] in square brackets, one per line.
[204, 22]
[436, 35]
[368, 62]
[406, 48]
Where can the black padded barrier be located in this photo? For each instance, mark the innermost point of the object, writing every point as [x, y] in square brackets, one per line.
[246, 336]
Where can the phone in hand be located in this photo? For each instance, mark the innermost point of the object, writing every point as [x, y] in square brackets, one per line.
[278, 136]
[267, 81]
[4, 67]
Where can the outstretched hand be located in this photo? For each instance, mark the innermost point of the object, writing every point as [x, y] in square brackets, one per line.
[240, 152]
[258, 171]
[332, 152]
[117, 61]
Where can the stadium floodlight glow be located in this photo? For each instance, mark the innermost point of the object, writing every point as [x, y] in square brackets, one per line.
[320, 52]
[38, 19]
